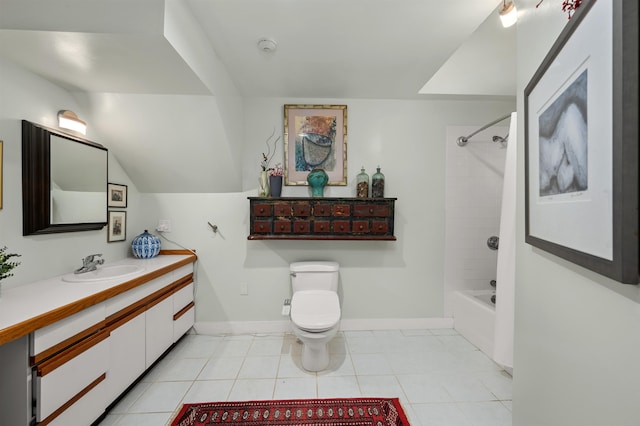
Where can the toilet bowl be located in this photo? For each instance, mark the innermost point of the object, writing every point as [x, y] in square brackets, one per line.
[315, 310]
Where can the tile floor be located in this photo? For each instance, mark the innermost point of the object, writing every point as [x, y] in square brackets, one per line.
[440, 378]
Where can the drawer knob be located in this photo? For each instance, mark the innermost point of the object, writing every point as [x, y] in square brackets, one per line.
[282, 227]
[371, 211]
[261, 210]
[342, 227]
[361, 227]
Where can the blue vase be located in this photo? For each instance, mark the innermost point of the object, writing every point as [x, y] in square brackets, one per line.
[145, 245]
[317, 179]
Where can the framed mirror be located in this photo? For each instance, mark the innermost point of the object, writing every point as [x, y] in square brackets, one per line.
[64, 182]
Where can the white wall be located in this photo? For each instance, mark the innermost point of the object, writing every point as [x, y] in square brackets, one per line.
[380, 280]
[473, 192]
[577, 343]
[26, 96]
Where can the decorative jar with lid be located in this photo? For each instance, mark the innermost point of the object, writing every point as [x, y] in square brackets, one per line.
[145, 245]
[317, 179]
[362, 185]
[377, 184]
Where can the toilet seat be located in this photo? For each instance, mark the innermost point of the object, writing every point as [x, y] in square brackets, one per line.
[315, 311]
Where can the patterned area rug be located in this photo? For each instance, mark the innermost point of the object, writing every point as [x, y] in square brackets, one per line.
[314, 412]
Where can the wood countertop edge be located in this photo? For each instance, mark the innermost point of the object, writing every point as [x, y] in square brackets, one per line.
[25, 327]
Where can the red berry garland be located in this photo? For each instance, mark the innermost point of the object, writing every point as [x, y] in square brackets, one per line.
[568, 6]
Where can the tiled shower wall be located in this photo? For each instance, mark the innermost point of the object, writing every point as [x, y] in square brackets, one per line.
[474, 175]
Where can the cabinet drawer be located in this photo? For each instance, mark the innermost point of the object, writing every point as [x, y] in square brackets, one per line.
[321, 226]
[183, 321]
[262, 227]
[321, 209]
[341, 226]
[182, 298]
[282, 209]
[282, 227]
[262, 209]
[379, 227]
[128, 298]
[51, 335]
[360, 226]
[301, 227]
[301, 210]
[182, 271]
[371, 210]
[342, 210]
[57, 380]
[86, 409]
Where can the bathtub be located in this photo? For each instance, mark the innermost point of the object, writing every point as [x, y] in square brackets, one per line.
[474, 317]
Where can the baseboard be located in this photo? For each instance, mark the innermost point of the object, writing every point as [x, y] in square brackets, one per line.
[284, 326]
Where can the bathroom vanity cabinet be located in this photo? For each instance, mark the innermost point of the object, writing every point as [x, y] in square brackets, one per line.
[83, 356]
[321, 218]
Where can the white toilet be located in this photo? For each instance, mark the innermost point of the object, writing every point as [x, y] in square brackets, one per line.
[315, 310]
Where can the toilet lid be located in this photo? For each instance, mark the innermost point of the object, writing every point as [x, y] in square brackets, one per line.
[315, 310]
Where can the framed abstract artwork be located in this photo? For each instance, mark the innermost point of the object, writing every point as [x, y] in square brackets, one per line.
[315, 137]
[581, 143]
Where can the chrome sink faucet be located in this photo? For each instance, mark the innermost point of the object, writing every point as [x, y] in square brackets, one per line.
[89, 263]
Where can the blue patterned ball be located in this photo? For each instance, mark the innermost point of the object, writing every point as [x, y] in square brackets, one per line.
[145, 245]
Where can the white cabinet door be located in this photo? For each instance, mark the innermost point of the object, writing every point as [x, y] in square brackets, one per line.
[126, 355]
[159, 333]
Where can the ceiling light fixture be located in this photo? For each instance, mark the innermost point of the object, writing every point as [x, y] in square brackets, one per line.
[508, 13]
[69, 120]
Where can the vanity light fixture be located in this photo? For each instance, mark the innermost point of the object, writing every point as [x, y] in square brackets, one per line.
[508, 13]
[69, 120]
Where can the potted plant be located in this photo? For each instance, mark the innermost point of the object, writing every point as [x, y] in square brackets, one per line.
[6, 264]
[263, 190]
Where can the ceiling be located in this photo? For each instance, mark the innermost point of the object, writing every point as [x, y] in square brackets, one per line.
[383, 49]
[143, 71]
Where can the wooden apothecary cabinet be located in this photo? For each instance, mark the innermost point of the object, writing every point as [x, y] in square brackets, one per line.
[321, 218]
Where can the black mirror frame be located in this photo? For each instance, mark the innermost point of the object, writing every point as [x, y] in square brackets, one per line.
[36, 183]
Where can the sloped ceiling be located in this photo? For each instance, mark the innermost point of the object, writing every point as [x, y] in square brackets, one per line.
[147, 68]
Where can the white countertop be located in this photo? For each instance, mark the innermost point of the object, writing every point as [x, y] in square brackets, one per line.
[24, 303]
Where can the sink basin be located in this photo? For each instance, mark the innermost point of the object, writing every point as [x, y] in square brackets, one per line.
[104, 273]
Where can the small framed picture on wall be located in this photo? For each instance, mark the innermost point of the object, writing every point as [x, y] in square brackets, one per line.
[117, 226]
[117, 195]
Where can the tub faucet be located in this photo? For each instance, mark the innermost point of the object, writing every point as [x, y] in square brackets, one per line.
[89, 263]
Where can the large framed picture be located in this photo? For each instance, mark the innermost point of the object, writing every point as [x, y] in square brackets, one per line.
[117, 195]
[581, 143]
[315, 136]
[117, 226]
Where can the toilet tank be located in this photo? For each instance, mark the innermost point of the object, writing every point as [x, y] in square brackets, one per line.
[314, 276]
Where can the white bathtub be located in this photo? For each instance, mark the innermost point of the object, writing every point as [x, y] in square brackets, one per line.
[474, 318]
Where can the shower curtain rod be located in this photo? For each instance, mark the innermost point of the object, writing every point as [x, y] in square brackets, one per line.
[462, 140]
